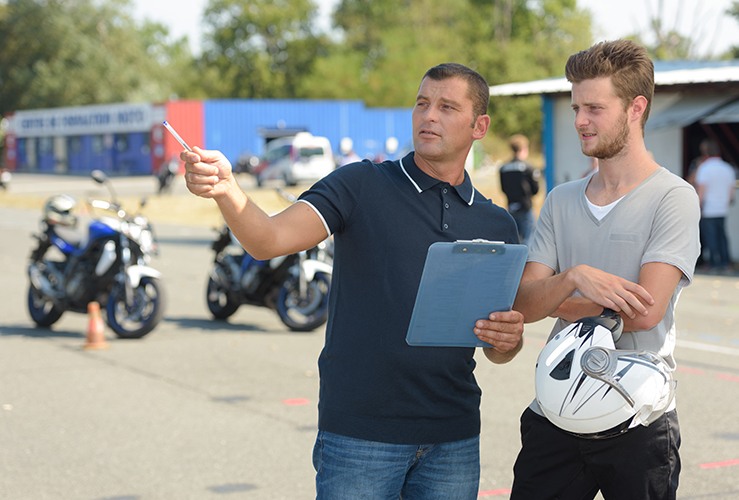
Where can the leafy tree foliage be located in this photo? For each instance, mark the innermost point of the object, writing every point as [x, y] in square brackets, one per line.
[260, 48]
[76, 52]
[386, 46]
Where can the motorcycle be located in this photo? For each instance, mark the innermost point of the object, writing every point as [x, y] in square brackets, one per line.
[5, 177]
[296, 286]
[109, 265]
[167, 172]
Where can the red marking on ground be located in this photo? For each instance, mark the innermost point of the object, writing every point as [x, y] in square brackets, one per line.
[493, 493]
[718, 465]
[694, 371]
[296, 402]
[726, 376]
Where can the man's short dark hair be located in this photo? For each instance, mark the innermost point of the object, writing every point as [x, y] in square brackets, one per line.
[478, 88]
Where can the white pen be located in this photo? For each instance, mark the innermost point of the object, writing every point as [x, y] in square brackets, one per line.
[176, 135]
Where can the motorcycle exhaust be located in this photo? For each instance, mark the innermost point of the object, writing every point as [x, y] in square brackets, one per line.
[42, 283]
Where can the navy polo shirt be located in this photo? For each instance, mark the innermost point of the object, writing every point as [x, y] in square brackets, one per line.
[373, 385]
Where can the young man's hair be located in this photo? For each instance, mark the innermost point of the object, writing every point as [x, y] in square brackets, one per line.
[518, 142]
[478, 88]
[625, 62]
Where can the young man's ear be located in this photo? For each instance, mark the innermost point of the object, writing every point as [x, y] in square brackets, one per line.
[638, 107]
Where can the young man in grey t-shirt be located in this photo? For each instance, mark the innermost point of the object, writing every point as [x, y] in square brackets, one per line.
[626, 239]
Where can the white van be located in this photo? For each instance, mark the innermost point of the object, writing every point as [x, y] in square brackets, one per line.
[303, 157]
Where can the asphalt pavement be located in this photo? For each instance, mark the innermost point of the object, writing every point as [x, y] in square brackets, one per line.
[200, 409]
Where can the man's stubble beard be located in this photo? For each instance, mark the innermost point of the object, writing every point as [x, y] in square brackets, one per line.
[614, 146]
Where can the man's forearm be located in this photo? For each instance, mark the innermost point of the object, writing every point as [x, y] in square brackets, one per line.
[248, 222]
[575, 308]
[539, 299]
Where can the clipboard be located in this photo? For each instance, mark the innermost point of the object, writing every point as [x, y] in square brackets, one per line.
[463, 281]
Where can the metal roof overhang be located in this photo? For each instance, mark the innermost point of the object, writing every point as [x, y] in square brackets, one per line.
[716, 72]
[726, 114]
[688, 110]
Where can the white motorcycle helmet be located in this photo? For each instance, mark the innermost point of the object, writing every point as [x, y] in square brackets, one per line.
[585, 386]
[58, 210]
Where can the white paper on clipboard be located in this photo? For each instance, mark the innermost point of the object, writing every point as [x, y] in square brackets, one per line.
[462, 282]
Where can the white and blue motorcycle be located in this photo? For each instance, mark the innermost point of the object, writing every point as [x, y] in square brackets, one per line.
[108, 263]
[296, 286]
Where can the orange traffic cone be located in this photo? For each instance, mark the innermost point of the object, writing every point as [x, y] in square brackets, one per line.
[95, 328]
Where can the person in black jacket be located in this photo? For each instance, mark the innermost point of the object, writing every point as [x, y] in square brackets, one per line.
[520, 182]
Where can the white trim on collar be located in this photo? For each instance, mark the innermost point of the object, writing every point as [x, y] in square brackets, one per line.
[402, 167]
[472, 198]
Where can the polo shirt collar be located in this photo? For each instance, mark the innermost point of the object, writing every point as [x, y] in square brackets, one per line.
[422, 181]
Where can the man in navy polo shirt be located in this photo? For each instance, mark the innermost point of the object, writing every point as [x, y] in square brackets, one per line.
[394, 420]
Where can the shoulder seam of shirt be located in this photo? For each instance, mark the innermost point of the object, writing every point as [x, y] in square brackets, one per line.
[320, 216]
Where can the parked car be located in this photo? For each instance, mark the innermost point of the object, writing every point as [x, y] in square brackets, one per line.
[246, 163]
[299, 158]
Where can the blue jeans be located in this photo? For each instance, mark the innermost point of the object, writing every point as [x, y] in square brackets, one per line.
[714, 233]
[358, 469]
[525, 224]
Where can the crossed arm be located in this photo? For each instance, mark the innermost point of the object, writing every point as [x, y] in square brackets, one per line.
[642, 305]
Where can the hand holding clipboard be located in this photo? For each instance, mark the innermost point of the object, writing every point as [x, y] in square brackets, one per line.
[462, 282]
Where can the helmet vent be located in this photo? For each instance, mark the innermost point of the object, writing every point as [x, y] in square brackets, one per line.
[563, 368]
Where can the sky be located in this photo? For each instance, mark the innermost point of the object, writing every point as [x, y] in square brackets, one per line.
[702, 20]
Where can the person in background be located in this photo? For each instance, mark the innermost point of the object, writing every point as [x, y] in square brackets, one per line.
[626, 239]
[702, 261]
[167, 173]
[348, 155]
[394, 421]
[715, 181]
[520, 182]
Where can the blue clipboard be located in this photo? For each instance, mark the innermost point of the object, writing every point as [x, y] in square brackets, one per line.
[462, 282]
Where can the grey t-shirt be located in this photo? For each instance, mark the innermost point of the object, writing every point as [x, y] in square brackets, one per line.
[655, 222]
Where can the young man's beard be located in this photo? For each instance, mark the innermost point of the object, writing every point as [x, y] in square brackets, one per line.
[616, 145]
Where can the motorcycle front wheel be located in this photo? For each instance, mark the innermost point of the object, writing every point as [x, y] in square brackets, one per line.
[134, 320]
[42, 310]
[307, 312]
[221, 303]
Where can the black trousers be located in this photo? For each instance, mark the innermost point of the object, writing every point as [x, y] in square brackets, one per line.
[643, 463]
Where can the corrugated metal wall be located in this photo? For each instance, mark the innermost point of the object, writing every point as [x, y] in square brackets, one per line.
[233, 126]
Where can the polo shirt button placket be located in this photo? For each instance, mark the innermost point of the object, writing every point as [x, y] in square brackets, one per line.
[444, 225]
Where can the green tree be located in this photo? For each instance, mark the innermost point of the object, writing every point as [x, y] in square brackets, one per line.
[385, 46]
[77, 52]
[259, 48]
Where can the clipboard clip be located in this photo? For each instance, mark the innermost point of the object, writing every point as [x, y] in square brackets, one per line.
[480, 240]
[479, 246]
